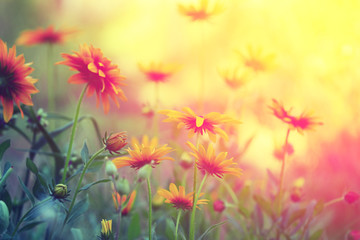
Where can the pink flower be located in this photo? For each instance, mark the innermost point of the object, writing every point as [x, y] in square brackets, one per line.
[351, 197]
[219, 206]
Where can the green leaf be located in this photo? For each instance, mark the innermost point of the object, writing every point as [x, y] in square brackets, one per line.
[77, 234]
[39, 191]
[79, 208]
[85, 153]
[6, 198]
[134, 229]
[316, 235]
[30, 225]
[95, 166]
[264, 205]
[3, 147]
[170, 228]
[27, 192]
[87, 186]
[35, 210]
[210, 229]
[31, 166]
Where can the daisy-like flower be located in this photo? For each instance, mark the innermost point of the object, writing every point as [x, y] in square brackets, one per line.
[178, 198]
[125, 208]
[106, 229]
[202, 11]
[279, 111]
[256, 60]
[141, 154]
[235, 79]
[158, 72]
[200, 124]
[98, 72]
[41, 36]
[208, 162]
[15, 83]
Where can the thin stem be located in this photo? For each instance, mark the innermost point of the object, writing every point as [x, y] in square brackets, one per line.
[156, 115]
[76, 117]
[50, 80]
[150, 207]
[177, 224]
[18, 130]
[230, 191]
[331, 202]
[202, 70]
[193, 212]
[79, 183]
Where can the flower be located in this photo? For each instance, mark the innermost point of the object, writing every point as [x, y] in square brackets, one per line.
[202, 11]
[106, 231]
[351, 197]
[178, 198]
[158, 72]
[15, 83]
[100, 75]
[355, 235]
[280, 112]
[256, 60]
[219, 206]
[60, 192]
[115, 142]
[144, 153]
[200, 124]
[208, 162]
[121, 200]
[40, 36]
[279, 152]
[233, 78]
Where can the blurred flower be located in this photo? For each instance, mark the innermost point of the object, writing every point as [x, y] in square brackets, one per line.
[15, 84]
[351, 197]
[297, 191]
[234, 79]
[115, 142]
[280, 112]
[354, 235]
[121, 201]
[106, 231]
[144, 153]
[219, 206]
[202, 11]
[41, 36]
[100, 75]
[279, 151]
[200, 124]
[208, 162]
[178, 198]
[147, 110]
[60, 192]
[157, 200]
[256, 60]
[158, 72]
[122, 185]
[41, 116]
[186, 161]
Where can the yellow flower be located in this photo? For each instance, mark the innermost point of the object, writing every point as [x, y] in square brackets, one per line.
[201, 11]
[158, 72]
[256, 60]
[235, 79]
[106, 226]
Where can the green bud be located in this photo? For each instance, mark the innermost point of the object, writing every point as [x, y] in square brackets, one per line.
[60, 191]
[122, 186]
[110, 169]
[145, 171]
[4, 217]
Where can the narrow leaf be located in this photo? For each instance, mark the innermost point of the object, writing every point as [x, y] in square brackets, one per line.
[316, 235]
[210, 229]
[85, 153]
[27, 192]
[3, 147]
[79, 208]
[77, 234]
[264, 205]
[31, 166]
[30, 226]
[134, 229]
[87, 186]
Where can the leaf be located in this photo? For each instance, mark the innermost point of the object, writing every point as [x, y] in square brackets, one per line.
[316, 235]
[6, 167]
[170, 228]
[134, 229]
[39, 191]
[85, 153]
[77, 234]
[264, 205]
[210, 229]
[27, 192]
[87, 186]
[35, 210]
[3, 147]
[297, 214]
[79, 208]
[31, 166]
[5, 197]
[30, 226]
[95, 166]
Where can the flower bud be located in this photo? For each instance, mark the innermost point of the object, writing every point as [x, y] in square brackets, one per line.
[122, 186]
[106, 228]
[115, 142]
[351, 197]
[110, 168]
[219, 206]
[60, 191]
[145, 171]
[4, 217]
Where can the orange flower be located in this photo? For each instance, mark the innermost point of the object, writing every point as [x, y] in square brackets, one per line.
[280, 112]
[233, 79]
[40, 36]
[200, 124]
[256, 60]
[121, 200]
[15, 84]
[208, 162]
[115, 142]
[178, 198]
[145, 153]
[158, 72]
[98, 72]
[202, 11]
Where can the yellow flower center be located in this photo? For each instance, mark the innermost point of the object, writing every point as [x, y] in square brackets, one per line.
[199, 121]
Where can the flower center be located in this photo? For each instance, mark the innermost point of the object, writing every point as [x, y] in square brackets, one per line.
[5, 79]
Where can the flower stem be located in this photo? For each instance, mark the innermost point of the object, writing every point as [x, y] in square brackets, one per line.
[50, 80]
[192, 219]
[73, 133]
[230, 191]
[156, 115]
[177, 224]
[150, 206]
[80, 181]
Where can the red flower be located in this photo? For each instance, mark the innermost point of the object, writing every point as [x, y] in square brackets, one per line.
[115, 142]
[15, 84]
[121, 200]
[351, 197]
[201, 12]
[40, 36]
[219, 206]
[355, 235]
[97, 72]
[158, 72]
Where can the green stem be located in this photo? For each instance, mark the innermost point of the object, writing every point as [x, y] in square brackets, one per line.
[80, 181]
[26, 214]
[230, 191]
[50, 80]
[150, 206]
[177, 224]
[76, 117]
[192, 219]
